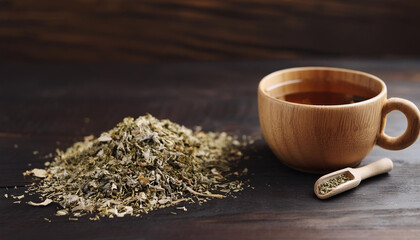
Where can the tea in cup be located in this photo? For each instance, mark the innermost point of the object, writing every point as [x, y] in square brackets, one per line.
[320, 119]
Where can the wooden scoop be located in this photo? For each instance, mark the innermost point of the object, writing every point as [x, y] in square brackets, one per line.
[355, 176]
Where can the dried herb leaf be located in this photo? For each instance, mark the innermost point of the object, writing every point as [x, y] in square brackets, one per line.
[41, 173]
[62, 212]
[44, 203]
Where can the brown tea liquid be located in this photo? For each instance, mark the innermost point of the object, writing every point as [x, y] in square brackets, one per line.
[323, 98]
[323, 92]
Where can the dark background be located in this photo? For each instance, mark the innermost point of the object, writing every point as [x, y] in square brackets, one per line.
[71, 68]
[189, 30]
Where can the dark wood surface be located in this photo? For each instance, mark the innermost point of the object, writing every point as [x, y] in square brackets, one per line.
[166, 30]
[41, 104]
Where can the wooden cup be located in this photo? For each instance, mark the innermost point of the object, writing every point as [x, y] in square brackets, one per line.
[320, 138]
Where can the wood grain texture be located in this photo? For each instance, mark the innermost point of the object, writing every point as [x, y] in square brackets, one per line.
[322, 138]
[167, 30]
[41, 104]
[410, 135]
[355, 175]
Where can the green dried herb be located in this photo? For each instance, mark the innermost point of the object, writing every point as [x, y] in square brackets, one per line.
[328, 186]
[140, 165]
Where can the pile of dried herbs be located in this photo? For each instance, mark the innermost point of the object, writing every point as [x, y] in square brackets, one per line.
[140, 165]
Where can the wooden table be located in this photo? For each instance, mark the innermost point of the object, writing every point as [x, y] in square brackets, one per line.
[49, 106]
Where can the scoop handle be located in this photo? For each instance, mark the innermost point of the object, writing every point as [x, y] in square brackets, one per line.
[383, 165]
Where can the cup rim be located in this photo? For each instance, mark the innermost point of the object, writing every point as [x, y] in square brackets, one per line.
[370, 100]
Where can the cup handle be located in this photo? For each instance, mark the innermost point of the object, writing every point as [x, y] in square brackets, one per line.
[410, 135]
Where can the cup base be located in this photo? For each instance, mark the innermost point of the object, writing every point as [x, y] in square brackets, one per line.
[311, 171]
